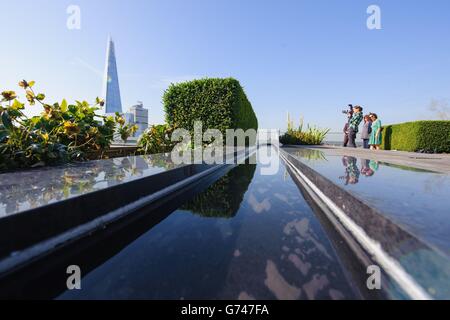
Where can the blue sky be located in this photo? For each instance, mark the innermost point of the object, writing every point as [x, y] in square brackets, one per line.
[310, 58]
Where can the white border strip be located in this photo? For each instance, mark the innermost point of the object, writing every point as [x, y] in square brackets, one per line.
[391, 266]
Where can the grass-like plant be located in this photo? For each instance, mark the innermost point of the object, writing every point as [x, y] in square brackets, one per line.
[312, 135]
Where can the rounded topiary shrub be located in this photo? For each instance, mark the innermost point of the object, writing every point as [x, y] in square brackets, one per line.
[219, 103]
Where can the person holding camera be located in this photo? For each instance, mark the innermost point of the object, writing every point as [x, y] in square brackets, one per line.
[349, 114]
[353, 125]
[346, 133]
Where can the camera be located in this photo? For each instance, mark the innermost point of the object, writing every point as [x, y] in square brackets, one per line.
[349, 111]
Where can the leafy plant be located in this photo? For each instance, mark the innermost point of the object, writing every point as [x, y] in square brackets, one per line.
[301, 136]
[63, 132]
[125, 130]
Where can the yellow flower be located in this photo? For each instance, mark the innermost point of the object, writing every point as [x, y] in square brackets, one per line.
[70, 128]
[45, 136]
[25, 84]
[93, 131]
[120, 120]
[30, 97]
[9, 95]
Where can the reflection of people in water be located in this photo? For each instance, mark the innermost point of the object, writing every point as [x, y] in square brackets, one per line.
[366, 170]
[351, 170]
[373, 165]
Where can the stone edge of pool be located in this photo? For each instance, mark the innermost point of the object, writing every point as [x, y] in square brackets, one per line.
[30, 234]
[394, 240]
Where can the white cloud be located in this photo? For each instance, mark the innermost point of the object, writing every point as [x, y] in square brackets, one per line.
[77, 61]
[164, 82]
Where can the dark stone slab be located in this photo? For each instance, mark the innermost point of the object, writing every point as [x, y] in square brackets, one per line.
[55, 204]
[425, 262]
[26, 228]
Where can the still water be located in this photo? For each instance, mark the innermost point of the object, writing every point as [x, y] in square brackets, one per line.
[247, 236]
[416, 199]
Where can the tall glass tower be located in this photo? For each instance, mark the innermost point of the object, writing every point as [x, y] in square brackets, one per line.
[111, 90]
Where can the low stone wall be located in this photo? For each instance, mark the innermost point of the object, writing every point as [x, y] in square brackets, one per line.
[115, 152]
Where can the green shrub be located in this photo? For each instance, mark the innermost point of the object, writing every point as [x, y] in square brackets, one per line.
[156, 139]
[224, 197]
[60, 134]
[425, 136]
[218, 103]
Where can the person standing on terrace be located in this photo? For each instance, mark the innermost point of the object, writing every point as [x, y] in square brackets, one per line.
[349, 116]
[375, 137]
[366, 130]
[354, 125]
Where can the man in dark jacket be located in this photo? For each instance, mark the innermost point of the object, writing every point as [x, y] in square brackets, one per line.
[346, 134]
[346, 127]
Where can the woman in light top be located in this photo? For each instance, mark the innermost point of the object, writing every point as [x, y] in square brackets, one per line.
[376, 135]
[366, 130]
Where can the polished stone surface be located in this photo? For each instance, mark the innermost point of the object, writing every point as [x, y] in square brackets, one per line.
[251, 235]
[432, 162]
[24, 190]
[415, 199]
[248, 236]
[425, 260]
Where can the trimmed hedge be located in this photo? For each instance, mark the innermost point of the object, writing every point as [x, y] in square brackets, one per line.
[424, 136]
[218, 103]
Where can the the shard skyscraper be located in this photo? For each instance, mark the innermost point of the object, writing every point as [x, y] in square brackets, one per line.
[111, 90]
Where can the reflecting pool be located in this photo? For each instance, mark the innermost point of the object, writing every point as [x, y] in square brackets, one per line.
[246, 232]
[247, 236]
[414, 198]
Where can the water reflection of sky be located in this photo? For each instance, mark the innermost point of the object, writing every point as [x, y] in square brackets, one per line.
[414, 198]
[23, 190]
[247, 237]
